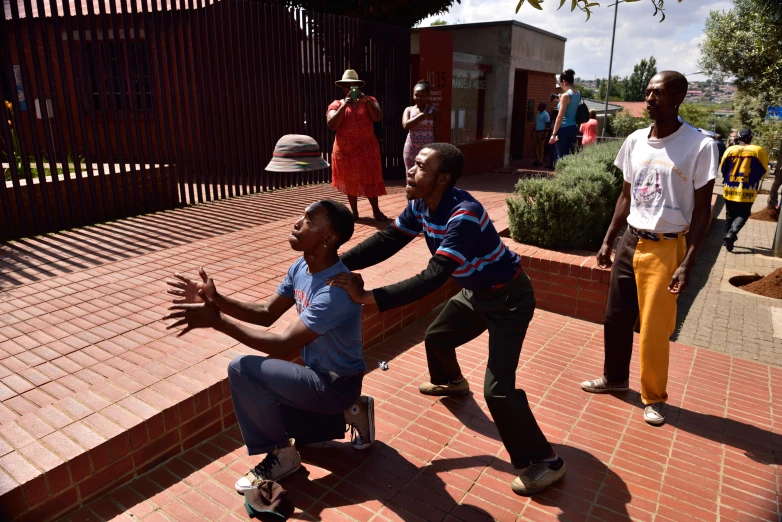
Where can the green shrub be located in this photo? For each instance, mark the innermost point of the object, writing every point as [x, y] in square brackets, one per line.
[572, 210]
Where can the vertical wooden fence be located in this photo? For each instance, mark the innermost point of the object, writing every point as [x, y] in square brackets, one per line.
[122, 107]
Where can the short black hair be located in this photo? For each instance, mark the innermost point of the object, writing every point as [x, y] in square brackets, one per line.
[340, 218]
[451, 160]
[677, 81]
[745, 136]
[422, 83]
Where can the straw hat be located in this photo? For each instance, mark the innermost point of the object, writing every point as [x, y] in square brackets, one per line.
[296, 153]
[349, 79]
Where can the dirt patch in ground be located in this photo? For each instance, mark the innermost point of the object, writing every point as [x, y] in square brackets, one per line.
[767, 214]
[768, 286]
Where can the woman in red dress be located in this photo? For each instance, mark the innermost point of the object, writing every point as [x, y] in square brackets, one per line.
[355, 159]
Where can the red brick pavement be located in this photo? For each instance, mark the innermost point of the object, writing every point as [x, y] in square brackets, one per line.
[94, 389]
[442, 460]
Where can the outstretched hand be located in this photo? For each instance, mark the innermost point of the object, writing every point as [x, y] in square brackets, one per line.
[194, 315]
[192, 290]
[353, 284]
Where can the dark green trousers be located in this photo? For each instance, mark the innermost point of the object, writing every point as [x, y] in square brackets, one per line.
[506, 313]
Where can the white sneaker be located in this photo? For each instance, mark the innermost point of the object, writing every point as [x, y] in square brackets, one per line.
[360, 419]
[654, 414]
[276, 466]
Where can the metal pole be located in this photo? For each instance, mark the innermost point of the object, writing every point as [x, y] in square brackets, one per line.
[610, 66]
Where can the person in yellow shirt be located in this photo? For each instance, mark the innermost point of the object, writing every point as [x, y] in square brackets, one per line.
[743, 167]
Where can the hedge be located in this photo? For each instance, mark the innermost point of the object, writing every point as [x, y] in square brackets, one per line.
[573, 209]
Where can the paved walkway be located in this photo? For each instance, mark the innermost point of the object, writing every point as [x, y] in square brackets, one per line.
[715, 315]
[438, 460]
[83, 354]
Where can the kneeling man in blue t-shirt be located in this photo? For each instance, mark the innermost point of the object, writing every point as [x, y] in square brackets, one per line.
[279, 402]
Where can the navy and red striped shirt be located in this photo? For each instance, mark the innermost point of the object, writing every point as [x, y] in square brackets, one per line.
[460, 229]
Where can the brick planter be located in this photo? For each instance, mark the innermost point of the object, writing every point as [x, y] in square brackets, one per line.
[566, 284]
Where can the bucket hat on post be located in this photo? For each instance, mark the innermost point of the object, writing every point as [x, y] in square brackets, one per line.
[296, 153]
[349, 79]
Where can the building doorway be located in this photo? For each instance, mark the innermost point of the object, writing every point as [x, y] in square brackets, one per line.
[519, 116]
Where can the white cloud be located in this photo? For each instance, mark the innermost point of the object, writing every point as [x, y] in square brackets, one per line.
[674, 42]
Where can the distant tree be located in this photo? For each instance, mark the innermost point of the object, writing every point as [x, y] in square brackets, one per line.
[624, 124]
[634, 86]
[586, 92]
[746, 43]
[616, 89]
[438, 22]
[597, 83]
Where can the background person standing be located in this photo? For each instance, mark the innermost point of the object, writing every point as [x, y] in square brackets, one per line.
[422, 123]
[565, 127]
[552, 147]
[743, 167]
[669, 171]
[589, 130]
[356, 169]
[542, 122]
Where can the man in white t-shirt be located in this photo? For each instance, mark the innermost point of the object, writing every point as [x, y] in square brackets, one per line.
[669, 171]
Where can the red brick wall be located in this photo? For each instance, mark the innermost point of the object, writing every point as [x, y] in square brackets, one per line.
[539, 88]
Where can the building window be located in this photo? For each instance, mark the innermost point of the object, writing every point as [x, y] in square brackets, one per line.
[117, 76]
[472, 77]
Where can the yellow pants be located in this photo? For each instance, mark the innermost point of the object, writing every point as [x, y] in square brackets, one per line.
[640, 276]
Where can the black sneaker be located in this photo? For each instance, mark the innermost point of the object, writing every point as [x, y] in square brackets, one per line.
[728, 243]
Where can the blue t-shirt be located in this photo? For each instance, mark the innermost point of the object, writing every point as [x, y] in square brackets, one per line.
[541, 120]
[460, 229]
[329, 312]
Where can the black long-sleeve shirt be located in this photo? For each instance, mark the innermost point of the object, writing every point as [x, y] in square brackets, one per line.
[385, 244]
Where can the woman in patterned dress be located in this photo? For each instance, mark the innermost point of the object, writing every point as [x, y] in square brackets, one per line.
[422, 121]
[356, 169]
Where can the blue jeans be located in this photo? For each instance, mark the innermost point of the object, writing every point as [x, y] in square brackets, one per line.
[276, 400]
[567, 140]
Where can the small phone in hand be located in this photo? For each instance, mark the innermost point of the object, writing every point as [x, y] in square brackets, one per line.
[354, 93]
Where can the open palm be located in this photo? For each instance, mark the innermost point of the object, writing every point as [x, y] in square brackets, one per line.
[192, 290]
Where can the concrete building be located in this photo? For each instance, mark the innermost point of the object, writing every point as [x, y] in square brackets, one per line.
[500, 72]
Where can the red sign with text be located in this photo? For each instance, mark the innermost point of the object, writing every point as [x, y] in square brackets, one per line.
[436, 67]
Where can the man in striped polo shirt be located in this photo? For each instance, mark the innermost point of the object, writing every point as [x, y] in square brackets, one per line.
[496, 295]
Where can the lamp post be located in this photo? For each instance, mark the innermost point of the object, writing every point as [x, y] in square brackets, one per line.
[610, 66]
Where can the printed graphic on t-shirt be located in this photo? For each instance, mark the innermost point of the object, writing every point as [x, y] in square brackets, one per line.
[647, 190]
[302, 302]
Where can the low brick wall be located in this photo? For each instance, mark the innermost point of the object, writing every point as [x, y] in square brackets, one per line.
[566, 284]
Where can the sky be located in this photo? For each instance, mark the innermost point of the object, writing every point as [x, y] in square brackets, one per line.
[674, 42]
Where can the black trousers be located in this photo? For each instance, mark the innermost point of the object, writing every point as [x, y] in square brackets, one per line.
[736, 215]
[506, 313]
